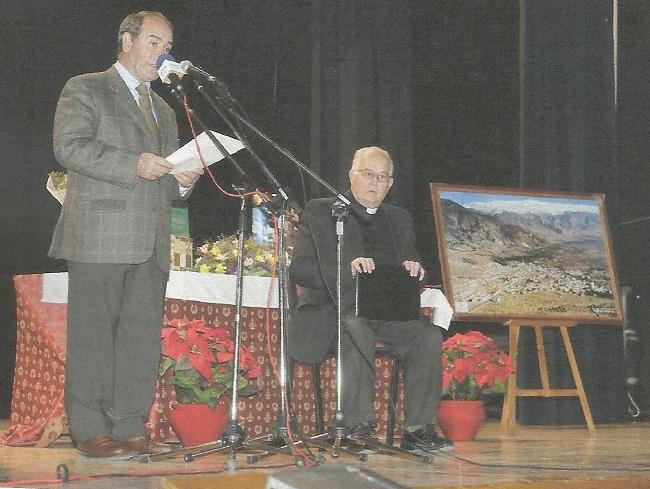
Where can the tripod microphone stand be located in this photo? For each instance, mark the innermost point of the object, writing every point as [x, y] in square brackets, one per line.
[280, 440]
[339, 432]
[233, 438]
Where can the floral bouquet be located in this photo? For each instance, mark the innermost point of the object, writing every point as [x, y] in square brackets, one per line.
[473, 366]
[57, 183]
[221, 257]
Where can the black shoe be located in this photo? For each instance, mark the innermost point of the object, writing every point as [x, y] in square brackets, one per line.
[363, 430]
[425, 439]
[354, 442]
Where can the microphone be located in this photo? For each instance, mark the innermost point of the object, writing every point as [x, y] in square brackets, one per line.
[169, 70]
[188, 67]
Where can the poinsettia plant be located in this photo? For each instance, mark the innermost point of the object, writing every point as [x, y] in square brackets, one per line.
[473, 366]
[200, 360]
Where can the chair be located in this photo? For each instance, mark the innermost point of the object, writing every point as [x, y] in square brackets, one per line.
[380, 349]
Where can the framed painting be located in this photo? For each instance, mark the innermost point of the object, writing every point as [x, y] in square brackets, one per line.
[512, 253]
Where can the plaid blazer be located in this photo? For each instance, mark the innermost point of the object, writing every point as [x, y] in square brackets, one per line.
[110, 215]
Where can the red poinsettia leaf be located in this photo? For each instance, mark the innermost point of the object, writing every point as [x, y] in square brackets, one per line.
[200, 328]
[220, 334]
[477, 338]
[223, 356]
[173, 345]
[484, 376]
[199, 354]
[504, 368]
[462, 369]
[176, 323]
[248, 363]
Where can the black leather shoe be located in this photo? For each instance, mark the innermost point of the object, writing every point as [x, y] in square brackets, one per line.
[426, 439]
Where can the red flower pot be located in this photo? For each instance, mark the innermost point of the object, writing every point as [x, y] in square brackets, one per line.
[460, 420]
[196, 424]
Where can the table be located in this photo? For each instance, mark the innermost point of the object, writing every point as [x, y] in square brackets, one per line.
[37, 409]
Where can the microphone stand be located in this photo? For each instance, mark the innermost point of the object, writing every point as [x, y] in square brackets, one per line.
[332, 440]
[280, 440]
[233, 437]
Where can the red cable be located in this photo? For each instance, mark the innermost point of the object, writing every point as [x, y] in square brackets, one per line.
[265, 198]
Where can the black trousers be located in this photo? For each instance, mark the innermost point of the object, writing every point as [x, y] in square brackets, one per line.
[115, 314]
[418, 345]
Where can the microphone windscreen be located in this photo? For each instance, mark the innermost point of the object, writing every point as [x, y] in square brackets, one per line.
[169, 70]
[162, 58]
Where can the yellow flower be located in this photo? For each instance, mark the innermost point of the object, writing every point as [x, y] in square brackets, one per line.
[259, 258]
[219, 268]
[215, 250]
[204, 268]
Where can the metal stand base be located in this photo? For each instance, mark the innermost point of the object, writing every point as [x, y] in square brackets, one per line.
[337, 442]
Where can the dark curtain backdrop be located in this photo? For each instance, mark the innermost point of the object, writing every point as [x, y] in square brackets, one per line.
[632, 226]
[437, 83]
[569, 136]
[361, 88]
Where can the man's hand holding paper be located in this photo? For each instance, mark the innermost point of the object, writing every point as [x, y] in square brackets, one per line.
[187, 157]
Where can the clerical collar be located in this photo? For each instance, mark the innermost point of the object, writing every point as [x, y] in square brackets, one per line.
[372, 210]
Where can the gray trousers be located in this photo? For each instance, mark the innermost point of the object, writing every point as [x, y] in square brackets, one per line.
[115, 316]
[418, 345]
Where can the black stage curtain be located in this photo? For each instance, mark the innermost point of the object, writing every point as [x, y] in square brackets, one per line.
[437, 83]
[361, 88]
[632, 228]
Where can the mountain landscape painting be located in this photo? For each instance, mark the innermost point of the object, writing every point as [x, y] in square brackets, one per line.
[511, 254]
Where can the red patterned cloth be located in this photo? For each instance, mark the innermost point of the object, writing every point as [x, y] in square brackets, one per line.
[38, 412]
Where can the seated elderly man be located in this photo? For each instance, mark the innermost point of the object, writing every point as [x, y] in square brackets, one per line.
[375, 234]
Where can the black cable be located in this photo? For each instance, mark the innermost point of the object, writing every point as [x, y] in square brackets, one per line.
[544, 467]
[63, 473]
[63, 470]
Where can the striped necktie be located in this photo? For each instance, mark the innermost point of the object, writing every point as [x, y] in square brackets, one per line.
[144, 101]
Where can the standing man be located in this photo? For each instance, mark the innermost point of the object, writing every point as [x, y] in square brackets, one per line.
[111, 133]
[375, 234]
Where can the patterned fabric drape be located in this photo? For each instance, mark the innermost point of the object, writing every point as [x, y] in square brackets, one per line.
[38, 412]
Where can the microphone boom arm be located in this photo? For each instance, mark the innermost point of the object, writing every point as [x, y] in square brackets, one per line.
[277, 147]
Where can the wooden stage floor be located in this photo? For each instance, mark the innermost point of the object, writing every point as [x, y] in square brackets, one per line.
[617, 456]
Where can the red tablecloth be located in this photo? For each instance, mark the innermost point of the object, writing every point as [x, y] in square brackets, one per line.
[37, 408]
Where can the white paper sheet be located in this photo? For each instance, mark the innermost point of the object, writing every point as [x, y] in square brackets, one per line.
[186, 158]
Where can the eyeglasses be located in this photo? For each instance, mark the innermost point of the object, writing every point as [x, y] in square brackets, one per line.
[370, 175]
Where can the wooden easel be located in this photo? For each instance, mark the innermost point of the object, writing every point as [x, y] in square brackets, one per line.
[508, 416]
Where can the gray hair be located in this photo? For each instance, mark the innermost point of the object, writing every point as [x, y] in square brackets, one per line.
[132, 24]
[363, 154]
